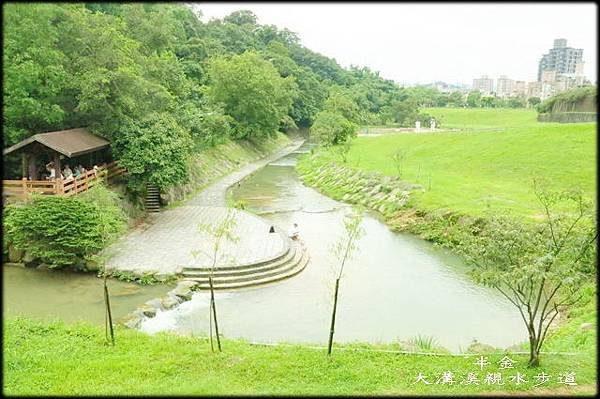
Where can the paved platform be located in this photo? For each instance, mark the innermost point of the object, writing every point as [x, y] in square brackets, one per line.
[172, 239]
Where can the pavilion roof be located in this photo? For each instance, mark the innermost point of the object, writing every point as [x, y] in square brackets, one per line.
[71, 143]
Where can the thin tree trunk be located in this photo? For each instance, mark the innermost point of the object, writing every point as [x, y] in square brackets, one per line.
[108, 312]
[214, 308]
[534, 352]
[332, 328]
[212, 347]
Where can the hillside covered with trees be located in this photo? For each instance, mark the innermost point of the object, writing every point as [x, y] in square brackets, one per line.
[155, 76]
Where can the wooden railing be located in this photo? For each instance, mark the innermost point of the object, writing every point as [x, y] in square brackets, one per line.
[66, 187]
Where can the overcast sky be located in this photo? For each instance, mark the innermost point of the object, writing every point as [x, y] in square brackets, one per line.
[421, 43]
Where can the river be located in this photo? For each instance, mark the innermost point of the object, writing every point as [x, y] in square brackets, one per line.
[70, 296]
[396, 286]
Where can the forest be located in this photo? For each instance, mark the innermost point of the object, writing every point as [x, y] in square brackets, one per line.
[159, 83]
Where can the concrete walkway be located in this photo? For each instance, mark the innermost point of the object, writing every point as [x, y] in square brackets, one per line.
[173, 239]
[215, 194]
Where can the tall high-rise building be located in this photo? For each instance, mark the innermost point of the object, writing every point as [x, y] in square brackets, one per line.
[484, 84]
[561, 59]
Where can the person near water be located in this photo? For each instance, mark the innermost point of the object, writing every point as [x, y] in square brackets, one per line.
[295, 232]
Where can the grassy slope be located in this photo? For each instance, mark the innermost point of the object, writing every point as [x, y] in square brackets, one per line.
[62, 359]
[483, 118]
[470, 171]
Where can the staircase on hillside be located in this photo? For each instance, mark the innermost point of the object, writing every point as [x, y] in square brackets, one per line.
[290, 263]
[152, 202]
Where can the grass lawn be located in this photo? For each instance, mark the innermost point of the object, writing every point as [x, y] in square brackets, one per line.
[58, 359]
[474, 171]
[483, 118]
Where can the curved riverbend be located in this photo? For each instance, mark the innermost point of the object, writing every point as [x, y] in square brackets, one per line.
[396, 287]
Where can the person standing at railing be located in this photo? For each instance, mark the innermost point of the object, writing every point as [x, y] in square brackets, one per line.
[51, 170]
[79, 171]
[68, 173]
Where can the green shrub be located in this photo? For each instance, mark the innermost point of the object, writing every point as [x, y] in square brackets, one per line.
[154, 150]
[332, 128]
[62, 231]
[423, 343]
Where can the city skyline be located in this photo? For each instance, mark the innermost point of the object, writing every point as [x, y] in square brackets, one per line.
[466, 37]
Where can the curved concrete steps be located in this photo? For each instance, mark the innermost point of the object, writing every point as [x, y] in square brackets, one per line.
[289, 264]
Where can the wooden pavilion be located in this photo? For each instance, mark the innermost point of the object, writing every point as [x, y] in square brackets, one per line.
[53, 146]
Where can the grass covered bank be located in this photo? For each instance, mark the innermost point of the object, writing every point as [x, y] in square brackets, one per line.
[472, 172]
[54, 359]
[450, 183]
[483, 118]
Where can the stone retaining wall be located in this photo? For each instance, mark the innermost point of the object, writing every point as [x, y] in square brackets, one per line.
[384, 194]
[215, 162]
[568, 117]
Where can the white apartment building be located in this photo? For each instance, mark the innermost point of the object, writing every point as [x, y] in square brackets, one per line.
[484, 84]
[504, 86]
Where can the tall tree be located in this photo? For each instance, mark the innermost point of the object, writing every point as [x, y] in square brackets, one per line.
[252, 93]
[33, 72]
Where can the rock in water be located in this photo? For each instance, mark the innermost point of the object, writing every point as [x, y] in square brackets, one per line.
[15, 255]
[169, 302]
[184, 290]
[148, 310]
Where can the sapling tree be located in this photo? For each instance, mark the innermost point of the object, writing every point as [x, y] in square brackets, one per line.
[105, 222]
[108, 314]
[343, 149]
[398, 160]
[224, 230]
[541, 268]
[343, 250]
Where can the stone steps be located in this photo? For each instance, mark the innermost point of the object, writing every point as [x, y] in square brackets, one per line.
[292, 264]
[246, 269]
[249, 266]
[152, 200]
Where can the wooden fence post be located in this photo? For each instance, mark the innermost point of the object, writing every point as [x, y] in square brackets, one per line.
[24, 188]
